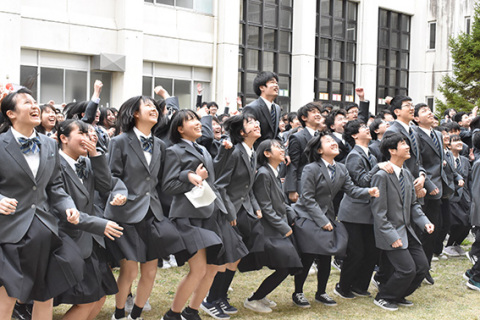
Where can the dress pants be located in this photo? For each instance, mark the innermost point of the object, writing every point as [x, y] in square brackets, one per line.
[409, 269]
[432, 209]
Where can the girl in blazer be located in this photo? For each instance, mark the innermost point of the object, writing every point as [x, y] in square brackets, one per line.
[136, 160]
[35, 264]
[322, 179]
[189, 165]
[280, 253]
[82, 176]
[235, 174]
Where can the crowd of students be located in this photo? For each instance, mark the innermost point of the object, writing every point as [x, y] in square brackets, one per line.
[251, 189]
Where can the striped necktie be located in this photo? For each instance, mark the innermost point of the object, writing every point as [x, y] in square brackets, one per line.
[333, 170]
[414, 140]
[197, 147]
[273, 115]
[435, 140]
[402, 184]
[457, 163]
[81, 168]
[147, 144]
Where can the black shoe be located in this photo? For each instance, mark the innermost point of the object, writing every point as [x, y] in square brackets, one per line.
[170, 315]
[22, 311]
[468, 274]
[343, 294]
[337, 264]
[190, 314]
[404, 302]
[428, 279]
[360, 292]
[325, 299]
[300, 301]
[384, 304]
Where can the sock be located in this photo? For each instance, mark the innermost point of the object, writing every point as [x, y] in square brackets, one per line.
[229, 274]
[190, 310]
[136, 312]
[216, 288]
[119, 313]
[170, 313]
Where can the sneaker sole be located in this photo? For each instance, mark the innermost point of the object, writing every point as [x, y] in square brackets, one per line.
[405, 305]
[256, 310]
[361, 294]
[327, 304]
[204, 309]
[465, 277]
[341, 296]
[471, 286]
[301, 306]
[230, 312]
[383, 307]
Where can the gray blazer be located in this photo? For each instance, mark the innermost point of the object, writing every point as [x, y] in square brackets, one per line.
[181, 159]
[298, 160]
[134, 178]
[260, 110]
[392, 215]
[35, 195]
[235, 181]
[475, 189]
[100, 179]
[318, 191]
[414, 164]
[276, 213]
[361, 171]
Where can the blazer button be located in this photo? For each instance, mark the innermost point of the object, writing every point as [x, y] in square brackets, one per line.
[242, 198]
[147, 194]
[34, 188]
[246, 187]
[33, 206]
[148, 178]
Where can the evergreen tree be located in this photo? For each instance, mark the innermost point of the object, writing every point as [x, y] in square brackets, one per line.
[462, 89]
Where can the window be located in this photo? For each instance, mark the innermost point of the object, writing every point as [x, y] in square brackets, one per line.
[430, 101]
[467, 25]
[265, 45]
[335, 51]
[179, 81]
[62, 78]
[393, 55]
[433, 34]
[203, 6]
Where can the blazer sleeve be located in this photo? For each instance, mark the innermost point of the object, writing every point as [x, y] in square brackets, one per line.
[222, 183]
[102, 174]
[172, 103]
[57, 196]
[253, 200]
[199, 101]
[262, 188]
[115, 163]
[90, 112]
[359, 174]
[207, 132]
[380, 209]
[354, 191]
[92, 224]
[310, 177]
[175, 180]
[295, 153]
[363, 110]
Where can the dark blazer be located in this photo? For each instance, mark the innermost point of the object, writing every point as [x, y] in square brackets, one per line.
[392, 215]
[181, 159]
[35, 195]
[316, 201]
[235, 182]
[271, 199]
[361, 172]
[464, 170]
[414, 164]
[134, 178]
[344, 148]
[100, 179]
[298, 160]
[260, 110]
[374, 148]
[475, 190]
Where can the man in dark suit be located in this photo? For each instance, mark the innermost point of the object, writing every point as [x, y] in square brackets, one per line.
[310, 117]
[393, 213]
[265, 110]
[335, 122]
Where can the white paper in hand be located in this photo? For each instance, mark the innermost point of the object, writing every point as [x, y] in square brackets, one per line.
[201, 196]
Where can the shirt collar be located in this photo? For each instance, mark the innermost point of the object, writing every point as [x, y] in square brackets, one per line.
[405, 126]
[139, 134]
[365, 149]
[275, 172]
[18, 135]
[268, 103]
[427, 131]
[338, 135]
[69, 159]
[248, 149]
[328, 164]
[310, 130]
[396, 169]
[188, 141]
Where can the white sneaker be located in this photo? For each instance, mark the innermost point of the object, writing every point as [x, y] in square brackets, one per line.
[435, 258]
[147, 307]
[129, 303]
[268, 303]
[173, 261]
[313, 269]
[130, 318]
[113, 317]
[451, 252]
[257, 306]
[460, 250]
[166, 264]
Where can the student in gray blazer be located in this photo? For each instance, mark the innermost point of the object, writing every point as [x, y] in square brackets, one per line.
[136, 160]
[30, 188]
[394, 214]
[322, 179]
[82, 176]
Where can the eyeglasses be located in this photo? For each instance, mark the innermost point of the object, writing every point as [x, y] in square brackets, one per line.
[355, 111]
[254, 122]
[407, 105]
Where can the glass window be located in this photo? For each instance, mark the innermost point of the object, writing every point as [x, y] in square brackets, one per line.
[182, 90]
[286, 19]
[106, 78]
[269, 39]
[167, 2]
[51, 85]
[338, 50]
[322, 69]
[284, 63]
[254, 12]
[325, 7]
[28, 78]
[253, 36]
[285, 41]
[467, 25]
[167, 84]
[338, 8]
[268, 60]
[76, 86]
[433, 34]
[147, 86]
[326, 26]
[252, 60]
[185, 3]
[338, 28]
[270, 16]
[324, 48]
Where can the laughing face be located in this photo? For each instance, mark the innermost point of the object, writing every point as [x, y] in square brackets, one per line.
[49, 118]
[270, 90]
[147, 113]
[26, 113]
[329, 147]
[191, 129]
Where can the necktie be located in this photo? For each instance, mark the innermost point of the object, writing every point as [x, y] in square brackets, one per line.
[81, 168]
[371, 160]
[402, 184]
[252, 161]
[197, 147]
[435, 140]
[147, 144]
[332, 169]
[29, 145]
[273, 115]
[414, 141]
[457, 163]
[316, 134]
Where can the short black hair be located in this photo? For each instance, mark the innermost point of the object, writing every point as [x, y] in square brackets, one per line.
[234, 126]
[382, 114]
[419, 106]
[178, 119]
[390, 140]
[265, 145]
[452, 126]
[212, 103]
[350, 106]
[303, 111]
[475, 123]
[447, 112]
[458, 116]
[374, 126]
[352, 127]
[455, 137]
[66, 127]
[396, 103]
[476, 140]
[291, 116]
[330, 120]
[261, 80]
[315, 143]
[126, 120]
[10, 103]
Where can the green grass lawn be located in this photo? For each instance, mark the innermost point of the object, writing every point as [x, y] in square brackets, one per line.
[449, 298]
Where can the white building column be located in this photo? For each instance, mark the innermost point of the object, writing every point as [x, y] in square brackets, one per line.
[10, 41]
[303, 53]
[225, 70]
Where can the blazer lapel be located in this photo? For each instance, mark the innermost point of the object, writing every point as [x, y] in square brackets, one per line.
[394, 179]
[326, 174]
[246, 160]
[363, 155]
[13, 148]
[266, 113]
[190, 149]
[72, 175]
[402, 130]
[155, 154]
[135, 144]
[43, 156]
[429, 140]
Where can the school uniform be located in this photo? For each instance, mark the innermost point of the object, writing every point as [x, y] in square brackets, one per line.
[356, 215]
[374, 148]
[147, 235]
[198, 227]
[475, 215]
[315, 210]
[88, 234]
[298, 159]
[268, 114]
[394, 213]
[35, 265]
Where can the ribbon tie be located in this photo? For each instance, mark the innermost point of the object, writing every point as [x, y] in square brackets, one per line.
[147, 144]
[81, 168]
[29, 145]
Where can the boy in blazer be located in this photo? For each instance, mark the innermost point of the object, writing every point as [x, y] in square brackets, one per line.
[393, 215]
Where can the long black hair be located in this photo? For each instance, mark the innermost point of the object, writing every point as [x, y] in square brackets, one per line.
[10, 103]
[66, 127]
[125, 118]
[178, 119]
